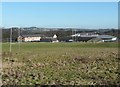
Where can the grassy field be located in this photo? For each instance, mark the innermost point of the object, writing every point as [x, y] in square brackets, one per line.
[60, 63]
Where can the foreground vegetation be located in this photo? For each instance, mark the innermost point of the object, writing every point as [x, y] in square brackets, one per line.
[60, 63]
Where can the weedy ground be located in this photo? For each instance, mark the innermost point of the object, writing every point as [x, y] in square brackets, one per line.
[60, 63]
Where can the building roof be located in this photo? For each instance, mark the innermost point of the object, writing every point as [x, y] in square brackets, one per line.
[32, 35]
[92, 35]
[105, 36]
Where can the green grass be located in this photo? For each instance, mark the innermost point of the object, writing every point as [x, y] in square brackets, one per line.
[60, 63]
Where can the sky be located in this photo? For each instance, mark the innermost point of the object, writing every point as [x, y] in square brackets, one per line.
[90, 15]
[60, 0]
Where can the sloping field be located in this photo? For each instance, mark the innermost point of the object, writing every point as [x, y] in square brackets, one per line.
[60, 63]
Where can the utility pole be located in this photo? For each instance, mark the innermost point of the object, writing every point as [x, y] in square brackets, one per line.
[19, 37]
[75, 35]
[10, 40]
[72, 34]
[10, 54]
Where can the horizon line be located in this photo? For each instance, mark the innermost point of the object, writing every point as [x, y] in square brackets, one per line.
[57, 27]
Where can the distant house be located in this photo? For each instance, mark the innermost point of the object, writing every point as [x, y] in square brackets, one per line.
[84, 36]
[30, 38]
[91, 37]
[107, 38]
[20, 39]
[37, 38]
[50, 39]
[54, 38]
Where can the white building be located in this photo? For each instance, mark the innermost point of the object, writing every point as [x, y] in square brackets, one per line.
[37, 38]
[54, 36]
[30, 38]
[94, 37]
[54, 39]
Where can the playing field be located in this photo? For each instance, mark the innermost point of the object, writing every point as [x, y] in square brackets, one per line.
[60, 63]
